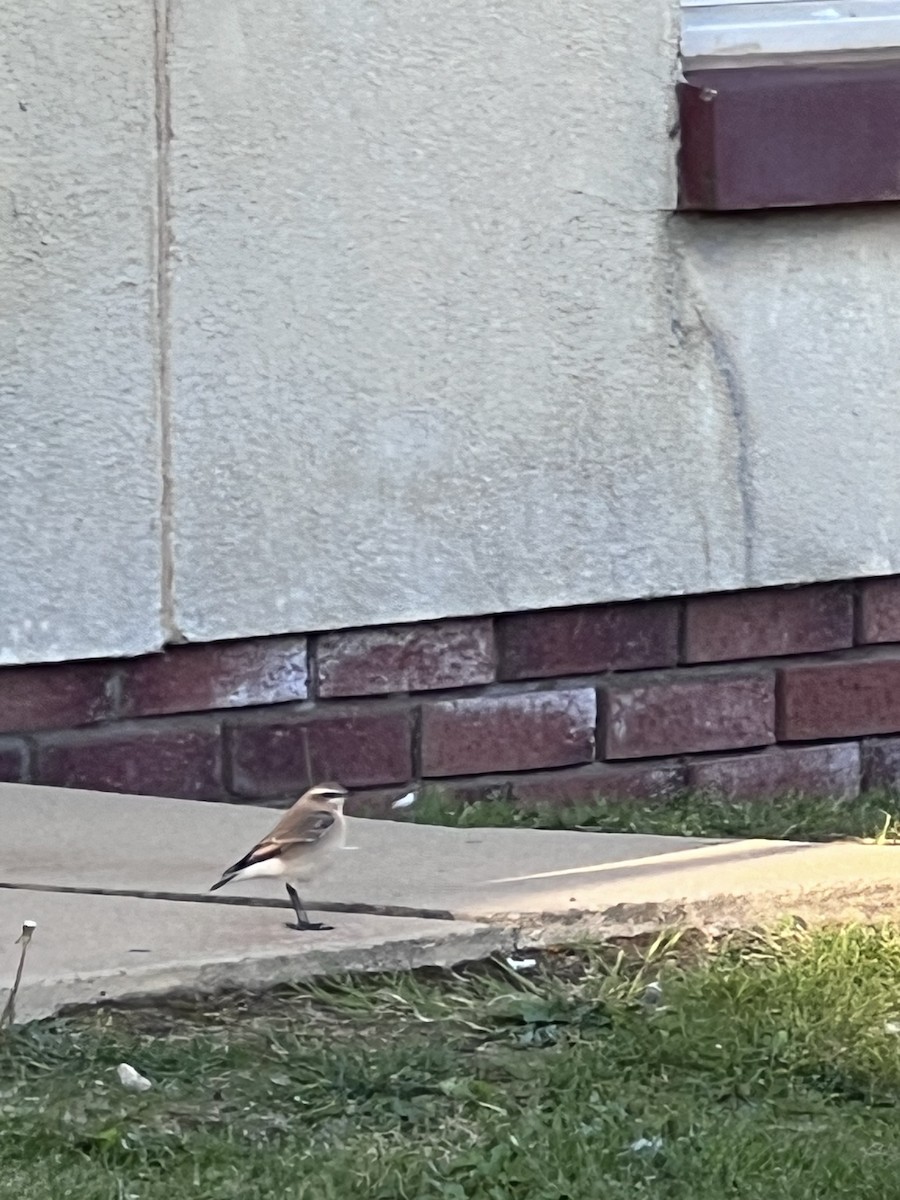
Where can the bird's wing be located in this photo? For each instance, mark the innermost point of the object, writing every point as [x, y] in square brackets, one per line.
[307, 826]
[301, 825]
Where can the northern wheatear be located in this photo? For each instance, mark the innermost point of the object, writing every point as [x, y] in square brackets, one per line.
[298, 847]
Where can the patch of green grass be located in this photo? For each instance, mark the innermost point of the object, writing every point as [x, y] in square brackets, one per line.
[768, 1071]
[796, 818]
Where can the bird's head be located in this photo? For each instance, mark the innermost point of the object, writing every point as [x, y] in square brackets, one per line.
[331, 793]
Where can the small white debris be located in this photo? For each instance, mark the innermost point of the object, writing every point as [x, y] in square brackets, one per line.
[406, 801]
[521, 964]
[647, 1145]
[131, 1079]
[652, 994]
[892, 1027]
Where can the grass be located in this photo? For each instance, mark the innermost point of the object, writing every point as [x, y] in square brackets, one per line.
[798, 818]
[769, 1071]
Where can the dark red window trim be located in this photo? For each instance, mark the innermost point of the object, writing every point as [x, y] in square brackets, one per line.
[775, 137]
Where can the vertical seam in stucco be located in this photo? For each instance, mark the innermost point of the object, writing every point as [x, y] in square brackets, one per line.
[163, 13]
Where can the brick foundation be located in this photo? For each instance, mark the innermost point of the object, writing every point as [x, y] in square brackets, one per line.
[749, 694]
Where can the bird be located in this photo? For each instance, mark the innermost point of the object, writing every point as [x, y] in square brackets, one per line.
[298, 847]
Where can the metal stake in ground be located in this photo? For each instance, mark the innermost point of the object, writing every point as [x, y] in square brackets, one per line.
[24, 940]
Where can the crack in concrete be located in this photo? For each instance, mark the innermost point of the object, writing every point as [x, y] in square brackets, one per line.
[370, 910]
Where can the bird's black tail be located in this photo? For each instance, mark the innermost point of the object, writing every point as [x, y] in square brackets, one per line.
[248, 859]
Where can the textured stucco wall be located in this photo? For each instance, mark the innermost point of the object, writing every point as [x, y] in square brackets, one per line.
[794, 320]
[79, 462]
[435, 343]
[422, 357]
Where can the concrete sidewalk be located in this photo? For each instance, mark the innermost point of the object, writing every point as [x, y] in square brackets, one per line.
[90, 948]
[498, 885]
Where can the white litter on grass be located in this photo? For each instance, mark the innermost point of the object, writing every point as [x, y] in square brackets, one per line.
[406, 801]
[652, 994]
[132, 1080]
[521, 964]
[892, 1027]
[644, 1145]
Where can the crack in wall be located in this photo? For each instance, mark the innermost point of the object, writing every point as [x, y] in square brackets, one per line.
[724, 363]
[697, 334]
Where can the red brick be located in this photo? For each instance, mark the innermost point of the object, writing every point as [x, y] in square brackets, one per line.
[603, 637]
[215, 675]
[881, 764]
[686, 712]
[146, 759]
[358, 747]
[579, 785]
[775, 621]
[780, 771]
[508, 732]
[879, 610]
[13, 761]
[839, 699]
[58, 696]
[406, 658]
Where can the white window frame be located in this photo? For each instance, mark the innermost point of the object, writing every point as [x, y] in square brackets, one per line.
[736, 33]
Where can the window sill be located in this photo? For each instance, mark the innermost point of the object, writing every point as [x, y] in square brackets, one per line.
[761, 137]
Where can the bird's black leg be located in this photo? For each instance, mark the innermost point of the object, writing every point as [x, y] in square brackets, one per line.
[303, 921]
